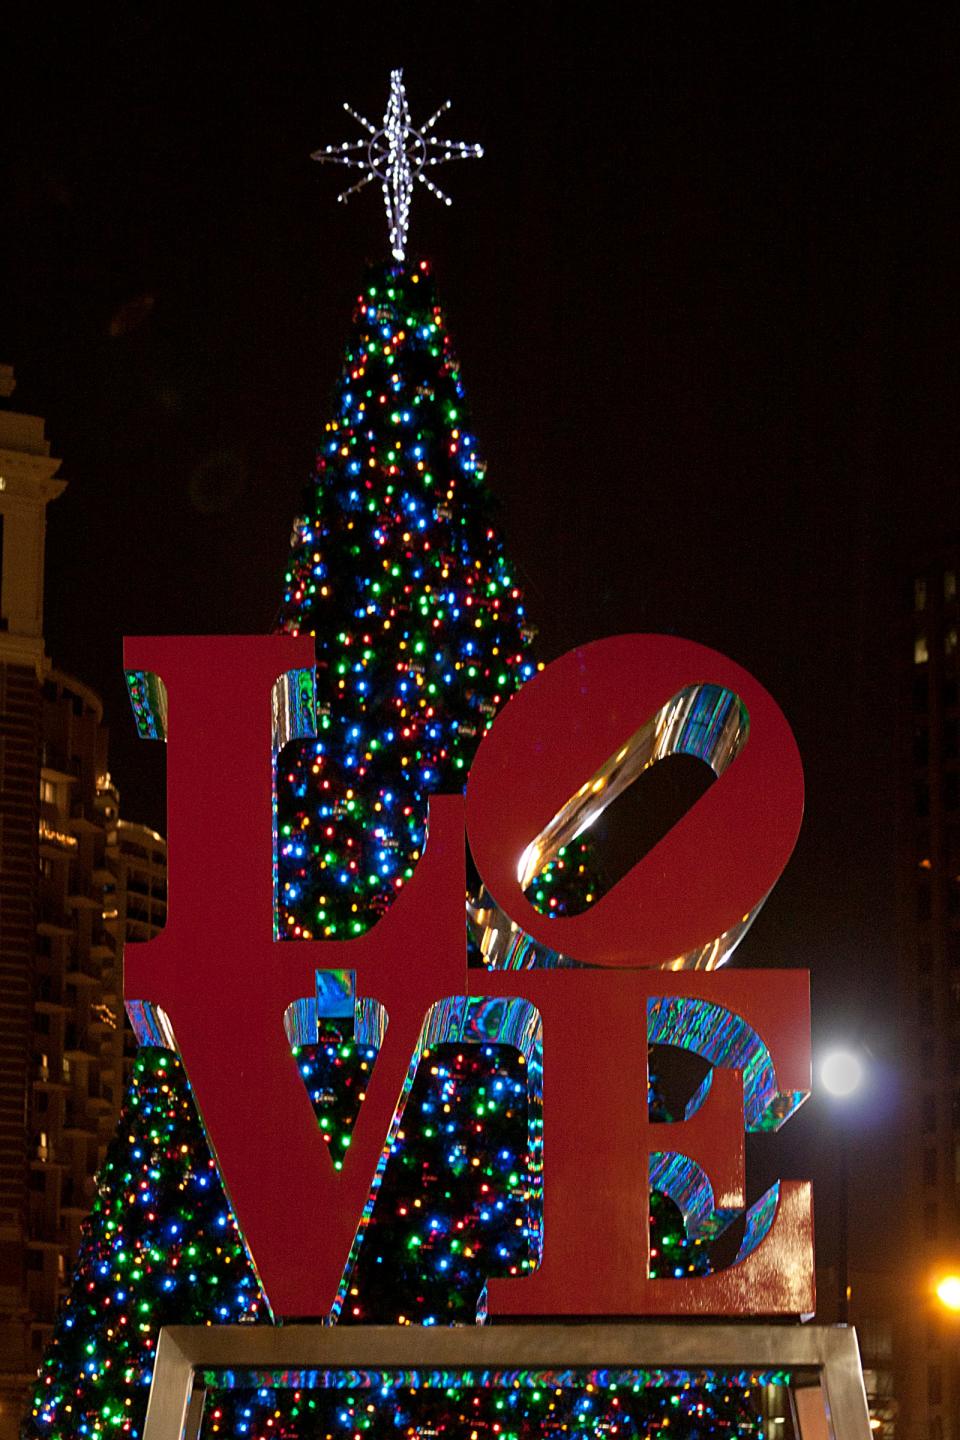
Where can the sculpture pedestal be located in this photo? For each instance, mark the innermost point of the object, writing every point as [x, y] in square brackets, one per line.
[826, 1379]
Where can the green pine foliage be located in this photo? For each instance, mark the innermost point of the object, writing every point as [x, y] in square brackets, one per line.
[160, 1246]
[398, 572]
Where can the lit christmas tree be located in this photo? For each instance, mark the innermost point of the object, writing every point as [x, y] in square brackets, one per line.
[398, 571]
[421, 636]
[159, 1247]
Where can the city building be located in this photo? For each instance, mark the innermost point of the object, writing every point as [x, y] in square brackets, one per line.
[76, 880]
[927, 1333]
[134, 903]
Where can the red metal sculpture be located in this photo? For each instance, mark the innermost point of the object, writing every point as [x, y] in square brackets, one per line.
[221, 985]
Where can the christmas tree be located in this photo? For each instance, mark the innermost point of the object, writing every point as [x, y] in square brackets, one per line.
[398, 571]
[421, 634]
[159, 1246]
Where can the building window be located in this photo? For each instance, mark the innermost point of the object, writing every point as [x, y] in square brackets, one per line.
[920, 593]
[951, 790]
[921, 798]
[950, 640]
[48, 792]
[920, 652]
[923, 901]
[949, 584]
[950, 694]
[921, 747]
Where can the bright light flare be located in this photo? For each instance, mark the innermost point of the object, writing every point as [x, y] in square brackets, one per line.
[841, 1073]
[948, 1292]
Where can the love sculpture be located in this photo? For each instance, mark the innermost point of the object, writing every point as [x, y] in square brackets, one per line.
[640, 967]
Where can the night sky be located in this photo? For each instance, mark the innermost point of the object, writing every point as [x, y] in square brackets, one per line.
[704, 288]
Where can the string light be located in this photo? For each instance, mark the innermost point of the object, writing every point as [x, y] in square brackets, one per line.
[421, 633]
[397, 153]
[496, 1405]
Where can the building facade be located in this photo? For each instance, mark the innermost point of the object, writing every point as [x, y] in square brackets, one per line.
[75, 881]
[928, 846]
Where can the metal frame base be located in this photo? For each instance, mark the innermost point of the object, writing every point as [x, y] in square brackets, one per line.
[829, 1400]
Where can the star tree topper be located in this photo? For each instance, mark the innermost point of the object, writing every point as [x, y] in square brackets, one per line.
[397, 154]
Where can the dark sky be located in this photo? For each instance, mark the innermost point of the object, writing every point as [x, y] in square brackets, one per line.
[704, 289]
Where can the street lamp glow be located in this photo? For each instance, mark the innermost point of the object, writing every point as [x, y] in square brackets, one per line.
[841, 1073]
[948, 1292]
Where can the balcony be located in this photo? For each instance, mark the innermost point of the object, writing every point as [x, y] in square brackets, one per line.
[51, 1007]
[79, 1046]
[45, 1077]
[75, 1199]
[53, 841]
[77, 900]
[83, 970]
[49, 927]
[78, 1122]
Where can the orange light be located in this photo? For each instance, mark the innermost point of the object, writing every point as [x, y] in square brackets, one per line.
[948, 1292]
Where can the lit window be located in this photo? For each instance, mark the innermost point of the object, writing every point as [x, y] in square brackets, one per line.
[920, 593]
[48, 792]
[920, 653]
[950, 585]
[950, 641]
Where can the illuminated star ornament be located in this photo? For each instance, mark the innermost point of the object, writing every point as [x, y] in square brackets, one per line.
[397, 154]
